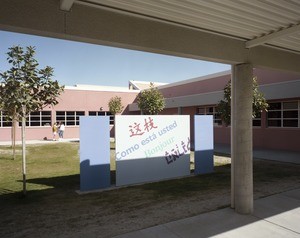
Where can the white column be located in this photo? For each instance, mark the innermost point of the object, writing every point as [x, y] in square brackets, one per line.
[242, 138]
[233, 126]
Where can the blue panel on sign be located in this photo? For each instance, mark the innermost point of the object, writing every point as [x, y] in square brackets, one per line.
[204, 144]
[94, 153]
[94, 176]
[204, 162]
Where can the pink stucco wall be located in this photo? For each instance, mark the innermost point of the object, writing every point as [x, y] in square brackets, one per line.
[87, 100]
[263, 137]
[92, 100]
[268, 138]
[72, 100]
[271, 76]
[218, 83]
[210, 85]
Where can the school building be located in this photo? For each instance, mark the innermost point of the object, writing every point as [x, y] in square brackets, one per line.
[278, 128]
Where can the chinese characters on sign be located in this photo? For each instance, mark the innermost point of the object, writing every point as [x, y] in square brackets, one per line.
[135, 129]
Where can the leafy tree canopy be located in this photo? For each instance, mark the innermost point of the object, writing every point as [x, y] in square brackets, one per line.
[115, 105]
[151, 101]
[259, 102]
[24, 88]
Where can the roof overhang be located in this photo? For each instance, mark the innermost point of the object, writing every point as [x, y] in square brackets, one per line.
[228, 32]
[66, 5]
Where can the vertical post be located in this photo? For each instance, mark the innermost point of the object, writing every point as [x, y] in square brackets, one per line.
[179, 109]
[24, 149]
[233, 125]
[13, 138]
[242, 138]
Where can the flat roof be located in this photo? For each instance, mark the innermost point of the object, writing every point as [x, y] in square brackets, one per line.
[88, 87]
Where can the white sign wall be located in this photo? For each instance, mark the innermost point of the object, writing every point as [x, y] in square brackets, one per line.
[151, 148]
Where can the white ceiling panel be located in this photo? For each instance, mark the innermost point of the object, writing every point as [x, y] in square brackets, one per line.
[242, 19]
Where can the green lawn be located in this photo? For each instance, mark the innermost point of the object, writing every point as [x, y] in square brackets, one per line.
[53, 207]
[45, 162]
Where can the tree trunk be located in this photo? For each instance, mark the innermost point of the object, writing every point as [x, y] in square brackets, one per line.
[24, 150]
[13, 134]
[13, 143]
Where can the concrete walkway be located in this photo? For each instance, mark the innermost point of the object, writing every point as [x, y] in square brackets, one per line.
[277, 155]
[274, 216]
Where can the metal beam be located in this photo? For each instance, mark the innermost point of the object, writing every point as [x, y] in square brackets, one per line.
[274, 35]
[106, 27]
[66, 5]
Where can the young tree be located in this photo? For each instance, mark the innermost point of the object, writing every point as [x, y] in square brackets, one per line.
[259, 102]
[151, 101]
[115, 105]
[24, 89]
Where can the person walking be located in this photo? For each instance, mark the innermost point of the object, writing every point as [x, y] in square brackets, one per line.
[54, 130]
[61, 130]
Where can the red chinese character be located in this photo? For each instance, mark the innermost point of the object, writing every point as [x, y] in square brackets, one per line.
[149, 125]
[135, 130]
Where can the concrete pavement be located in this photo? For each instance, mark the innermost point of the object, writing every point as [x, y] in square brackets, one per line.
[274, 216]
[277, 155]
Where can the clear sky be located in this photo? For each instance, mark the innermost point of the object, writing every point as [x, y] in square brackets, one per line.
[81, 63]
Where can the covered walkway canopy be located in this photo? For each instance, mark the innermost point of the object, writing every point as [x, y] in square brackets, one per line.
[265, 33]
[245, 34]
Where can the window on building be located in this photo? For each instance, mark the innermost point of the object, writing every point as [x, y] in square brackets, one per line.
[256, 122]
[210, 111]
[217, 116]
[69, 118]
[103, 113]
[39, 118]
[283, 114]
[290, 114]
[4, 120]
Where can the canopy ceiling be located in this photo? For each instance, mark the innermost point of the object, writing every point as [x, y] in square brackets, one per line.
[265, 33]
[275, 23]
